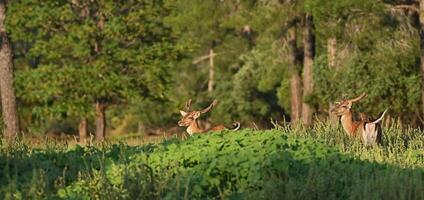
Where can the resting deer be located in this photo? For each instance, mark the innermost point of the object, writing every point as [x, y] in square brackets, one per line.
[369, 131]
[190, 120]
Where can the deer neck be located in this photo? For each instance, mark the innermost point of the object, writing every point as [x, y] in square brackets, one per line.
[348, 124]
[194, 128]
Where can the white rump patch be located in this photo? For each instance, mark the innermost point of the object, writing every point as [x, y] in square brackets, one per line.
[370, 134]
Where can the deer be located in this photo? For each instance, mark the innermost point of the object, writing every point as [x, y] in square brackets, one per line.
[190, 120]
[369, 131]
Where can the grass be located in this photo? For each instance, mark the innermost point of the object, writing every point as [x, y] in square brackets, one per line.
[400, 147]
[284, 163]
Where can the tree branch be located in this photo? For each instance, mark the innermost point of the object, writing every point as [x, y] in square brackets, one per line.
[202, 58]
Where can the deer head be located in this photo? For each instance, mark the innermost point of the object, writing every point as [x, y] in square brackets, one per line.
[344, 107]
[190, 117]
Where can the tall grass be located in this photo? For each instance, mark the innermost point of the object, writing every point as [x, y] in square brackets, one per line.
[320, 162]
[402, 147]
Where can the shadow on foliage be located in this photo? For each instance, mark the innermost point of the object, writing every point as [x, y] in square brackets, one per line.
[243, 165]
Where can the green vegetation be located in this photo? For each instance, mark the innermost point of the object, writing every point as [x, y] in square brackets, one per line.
[136, 57]
[281, 163]
[128, 66]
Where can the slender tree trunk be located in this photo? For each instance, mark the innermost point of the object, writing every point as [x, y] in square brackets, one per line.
[82, 130]
[211, 81]
[295, 80]
[8, 98]
[421, 31]
[296, 97]
[100, 121]
[308, 62]
[332, 62]
[331, 52]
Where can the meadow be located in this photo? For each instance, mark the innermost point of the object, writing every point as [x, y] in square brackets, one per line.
[282, 163]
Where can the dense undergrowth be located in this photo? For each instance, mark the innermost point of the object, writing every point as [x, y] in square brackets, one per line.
[283, 163]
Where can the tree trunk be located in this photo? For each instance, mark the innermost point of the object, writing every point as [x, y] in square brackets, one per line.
[331, 52]
[296, 97]
[308, 62]
[100, 121]
[332, 63]
[211, 71]
[8, 98]
[295, 80]
[421, 31]
[82, 130]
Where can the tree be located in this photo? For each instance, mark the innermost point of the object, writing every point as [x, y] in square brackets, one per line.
[73, 57]
[210, 57]
[92, 53]
[421, 34]
[308, 62]
[206, 25]
[295, 70]
[332, 63]
[82, 130]
[8, 99]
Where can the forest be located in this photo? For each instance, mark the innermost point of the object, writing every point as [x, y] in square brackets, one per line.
[135, 63]
[94, 94]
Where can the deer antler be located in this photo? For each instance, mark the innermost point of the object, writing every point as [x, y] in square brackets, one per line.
[188, 105]
[214, 103]
[363, 95]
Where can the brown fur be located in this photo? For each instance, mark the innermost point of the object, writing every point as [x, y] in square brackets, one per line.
[369, 131]
[190, 120]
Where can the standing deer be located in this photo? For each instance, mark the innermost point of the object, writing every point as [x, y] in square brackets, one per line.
[369, 131]
[190, 120]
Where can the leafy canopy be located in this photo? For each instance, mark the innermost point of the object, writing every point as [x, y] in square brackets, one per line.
[89, 51]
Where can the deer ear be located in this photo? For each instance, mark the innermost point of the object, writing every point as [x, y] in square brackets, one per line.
[183, 113]
[349, 105]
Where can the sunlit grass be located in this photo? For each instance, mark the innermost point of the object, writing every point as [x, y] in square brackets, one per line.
[401, 147]
[286, 162]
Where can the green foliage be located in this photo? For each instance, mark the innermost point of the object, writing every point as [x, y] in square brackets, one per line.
[387, 72]
[254, 87]
[139, 55]
[334, 18]
[91, 51]
[288, 163]
[70, 54]
[251, 93]
[204, 25]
